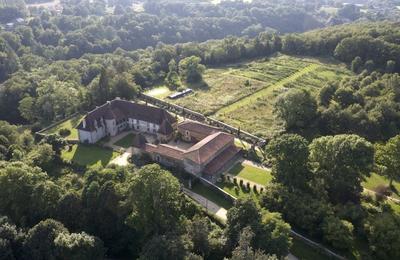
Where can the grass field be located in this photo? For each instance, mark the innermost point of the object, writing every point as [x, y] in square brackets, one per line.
[251, 173]
[70, 125]
[87, 155]
[229, 98]
[125, 141]
[373, 182]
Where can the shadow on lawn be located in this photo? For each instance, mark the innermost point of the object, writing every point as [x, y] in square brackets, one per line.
[90, 155]
[235, 170]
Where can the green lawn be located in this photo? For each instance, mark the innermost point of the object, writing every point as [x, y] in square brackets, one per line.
[251, 173]
[125, 141]
[211, 195]
[376, 180]
[237, 192]
[88, 155]
[70, 125]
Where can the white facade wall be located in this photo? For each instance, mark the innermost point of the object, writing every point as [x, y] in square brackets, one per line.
[111, 127]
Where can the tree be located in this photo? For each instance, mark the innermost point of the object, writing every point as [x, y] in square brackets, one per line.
[78, 246]
[289, 154]
[104, 87]
[198, 231]
[275, 237]
[172, 80]
[124, 88]
[156, 200]
[39, 242]
[390, 66]
[164, 247]
[383, 235]
[387, 158]
[342, 162]
[337, 232]
[17, 184]
[42, 156]
[244, 250]
[243, 214]
[191, 70]
[356, 64]
[297, 108]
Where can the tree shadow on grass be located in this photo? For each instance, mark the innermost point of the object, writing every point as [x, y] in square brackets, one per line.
[86, 155]
[235, 170]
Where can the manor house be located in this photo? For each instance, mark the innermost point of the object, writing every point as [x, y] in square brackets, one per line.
[207, 150]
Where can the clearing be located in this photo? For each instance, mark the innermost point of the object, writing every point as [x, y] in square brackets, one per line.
[89, 155]
[70, 125]
[243, 94]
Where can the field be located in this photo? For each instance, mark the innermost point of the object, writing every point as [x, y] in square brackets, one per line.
[89, 155]
[254, 174]
[70, 125]
[243, 94]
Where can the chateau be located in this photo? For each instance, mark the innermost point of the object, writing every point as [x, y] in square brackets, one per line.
[206, 152]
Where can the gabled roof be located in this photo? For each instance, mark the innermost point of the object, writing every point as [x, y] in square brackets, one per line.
[193, 126]
[165, 150]
[205, 149]
[122, 109]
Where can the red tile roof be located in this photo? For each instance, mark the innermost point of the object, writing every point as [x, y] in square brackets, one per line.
[221, 160]
[204, 150]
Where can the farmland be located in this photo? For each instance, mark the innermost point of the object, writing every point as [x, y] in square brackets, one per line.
[243, 94]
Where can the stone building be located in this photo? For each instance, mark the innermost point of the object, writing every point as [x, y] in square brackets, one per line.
[119, 115]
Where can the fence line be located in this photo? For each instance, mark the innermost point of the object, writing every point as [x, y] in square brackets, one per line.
[185, 112]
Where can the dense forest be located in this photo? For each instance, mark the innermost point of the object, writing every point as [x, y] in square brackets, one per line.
[54, 64]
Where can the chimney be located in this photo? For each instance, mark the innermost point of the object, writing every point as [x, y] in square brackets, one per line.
[84, 123]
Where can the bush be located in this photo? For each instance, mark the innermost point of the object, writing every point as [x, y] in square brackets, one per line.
[64, 132]
[241, 183]
[248, 186]
[235, 181]
[255, 188]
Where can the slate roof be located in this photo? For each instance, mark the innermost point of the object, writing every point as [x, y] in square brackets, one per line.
[165, 128]
[202, 151]
[122, 109]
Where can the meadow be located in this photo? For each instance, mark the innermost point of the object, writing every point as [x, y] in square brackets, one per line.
[243, 94]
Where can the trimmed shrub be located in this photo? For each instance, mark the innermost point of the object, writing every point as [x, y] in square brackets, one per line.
[235, 181]
[64, 132]
[255, 188]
